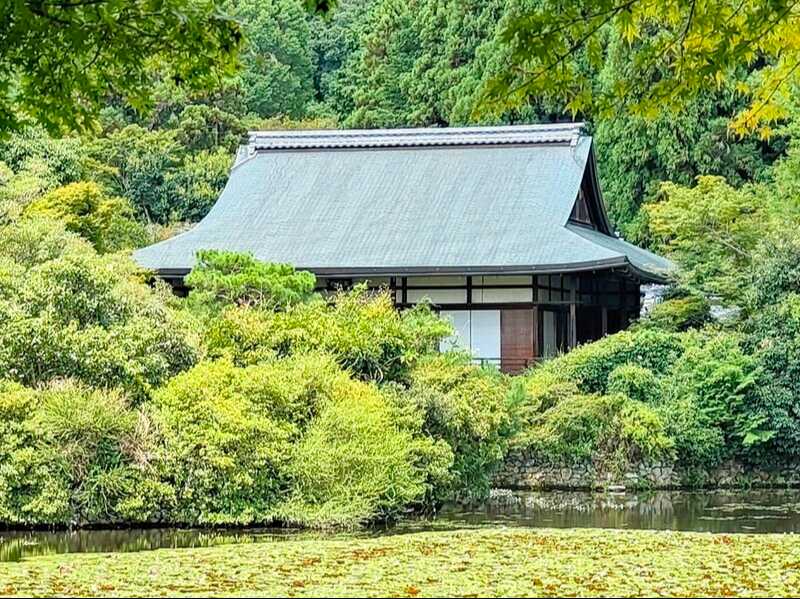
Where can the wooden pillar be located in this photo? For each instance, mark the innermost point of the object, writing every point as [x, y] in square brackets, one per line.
[573, 318]
[573, 326]
[604, 320]
[536, 353]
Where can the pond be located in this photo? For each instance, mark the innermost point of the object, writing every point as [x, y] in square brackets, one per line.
[755, 511]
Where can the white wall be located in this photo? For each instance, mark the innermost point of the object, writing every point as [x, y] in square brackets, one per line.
[461, 323]
[486, 334]
[477, 331]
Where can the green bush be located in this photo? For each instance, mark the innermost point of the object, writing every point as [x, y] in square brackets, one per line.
[708, 391]
[68, 312]
[691, 311]
[699, 444]
[226, 278]
[611, 430]
[107, 222]
[636, 382]
[69, 455]
[719, 378]
[544, 388]
[227, 434]
[362, 329]
[589, 366]
[355, 464]
[773, 338]
[468, 407]
[295, 439]
[32, 242]
[775, 271]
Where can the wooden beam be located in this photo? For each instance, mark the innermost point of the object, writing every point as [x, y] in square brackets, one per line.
[573, 319]
[573, 326]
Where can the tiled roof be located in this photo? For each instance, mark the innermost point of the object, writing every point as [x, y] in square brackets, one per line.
[408, 201]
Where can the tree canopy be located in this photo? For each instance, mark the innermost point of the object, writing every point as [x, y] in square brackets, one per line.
[60, 60]
[678, 50]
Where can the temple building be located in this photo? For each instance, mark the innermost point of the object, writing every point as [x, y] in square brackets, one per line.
[502, 229]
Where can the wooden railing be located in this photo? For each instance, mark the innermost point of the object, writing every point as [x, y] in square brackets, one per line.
[509, 365]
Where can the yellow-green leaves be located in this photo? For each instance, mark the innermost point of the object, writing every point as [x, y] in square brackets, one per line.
[84, 208]
[678, 48]
[710, 229]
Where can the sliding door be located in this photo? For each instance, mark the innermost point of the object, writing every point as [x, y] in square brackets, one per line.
[517, 339]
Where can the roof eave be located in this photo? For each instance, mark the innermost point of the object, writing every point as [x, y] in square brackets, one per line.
[334, 271]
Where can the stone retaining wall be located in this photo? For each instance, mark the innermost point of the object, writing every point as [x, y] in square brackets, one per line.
[523, 471]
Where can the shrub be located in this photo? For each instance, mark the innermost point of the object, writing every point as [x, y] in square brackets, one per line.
[636, 382]
[589, 366]
[228, 433]
[362, 329]
[107, 222]
[226, 278]
[699, 444]
[226, 440]
[35, 241]
[544, 388]
[775, 271]
[718, 377]
[595, 402]
[76, 314]
[679, 313]
[773, 337]
[469, 408]
[69, 455]
[611, 430]
[354, 464]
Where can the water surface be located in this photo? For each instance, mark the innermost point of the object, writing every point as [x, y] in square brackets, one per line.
[755, 511]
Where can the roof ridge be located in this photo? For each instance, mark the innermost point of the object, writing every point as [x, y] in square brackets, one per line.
[422, 136]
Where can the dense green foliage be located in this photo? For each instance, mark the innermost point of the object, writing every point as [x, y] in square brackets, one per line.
[110, 44]
[361, 330]
[69, 312]
[644, 395]
[68, 454]
[225, 278]
[249, 401]
[257, 399]
[678, 50]
[86, 210]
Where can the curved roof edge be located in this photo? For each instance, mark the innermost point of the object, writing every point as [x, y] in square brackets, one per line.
[615, 263]
[647, 265]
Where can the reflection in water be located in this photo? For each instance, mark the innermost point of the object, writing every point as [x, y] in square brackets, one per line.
[721, 511]
[15, 545]
[753, 511]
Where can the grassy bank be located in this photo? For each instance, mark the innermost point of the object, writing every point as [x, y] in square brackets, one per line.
[476, 562]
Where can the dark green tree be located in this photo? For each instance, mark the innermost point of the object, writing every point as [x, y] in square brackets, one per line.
[278, 74]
